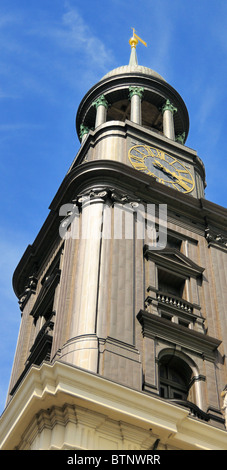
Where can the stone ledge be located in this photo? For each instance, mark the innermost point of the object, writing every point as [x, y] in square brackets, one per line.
[59, 383]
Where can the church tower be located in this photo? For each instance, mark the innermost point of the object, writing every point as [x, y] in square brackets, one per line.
[123, 334]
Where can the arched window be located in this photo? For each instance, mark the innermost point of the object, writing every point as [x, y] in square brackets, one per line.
[174, 378]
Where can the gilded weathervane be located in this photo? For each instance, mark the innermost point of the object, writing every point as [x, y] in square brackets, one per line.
[133, 41]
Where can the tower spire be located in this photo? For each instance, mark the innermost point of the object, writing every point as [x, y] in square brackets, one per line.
[133, 41]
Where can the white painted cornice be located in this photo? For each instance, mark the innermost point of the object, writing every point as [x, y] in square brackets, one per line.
[59, 383]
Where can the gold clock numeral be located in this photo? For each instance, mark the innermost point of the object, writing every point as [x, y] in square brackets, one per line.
[141, 153]
[138, 163]
[137, 159]
[140, 166]
[183, 178]
[182, 184]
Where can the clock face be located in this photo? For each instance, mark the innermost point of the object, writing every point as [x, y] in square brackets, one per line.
[165, 168]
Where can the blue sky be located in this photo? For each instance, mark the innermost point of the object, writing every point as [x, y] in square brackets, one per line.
[51, 53]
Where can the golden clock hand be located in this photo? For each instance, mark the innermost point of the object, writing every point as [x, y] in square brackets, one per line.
[173, 174]
[179, 181]
[158, 164]
[163, 168]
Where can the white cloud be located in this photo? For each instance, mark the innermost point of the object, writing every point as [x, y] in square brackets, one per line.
[42, 53]
[79, 36]
[72, 34]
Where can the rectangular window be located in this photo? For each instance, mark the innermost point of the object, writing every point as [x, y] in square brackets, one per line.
[170, 283]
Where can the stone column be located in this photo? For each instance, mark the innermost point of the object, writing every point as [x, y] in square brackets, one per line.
[81, 349]
[168, 111]
[84, 130]
[135, 95]
[101, 105]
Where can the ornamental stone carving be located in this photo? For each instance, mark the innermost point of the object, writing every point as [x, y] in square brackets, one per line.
[97, 195]
[215, 238]
[84, 130]
[136, 90]
[168, 106]
[113, 196]
[29, 289]
[101, 101]
[180, 138]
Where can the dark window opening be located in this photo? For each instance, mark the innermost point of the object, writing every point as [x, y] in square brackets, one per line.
[175, 377]
[170, 283]
[119, 111]
[173, 242]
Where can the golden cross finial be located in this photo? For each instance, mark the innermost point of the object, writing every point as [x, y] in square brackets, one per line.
[133, 41]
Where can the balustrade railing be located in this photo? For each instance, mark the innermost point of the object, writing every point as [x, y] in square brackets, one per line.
[194, 410]
[174, 301]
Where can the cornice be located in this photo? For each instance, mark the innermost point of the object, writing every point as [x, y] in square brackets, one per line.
[156, 327]
[59, 383]
[174, 260]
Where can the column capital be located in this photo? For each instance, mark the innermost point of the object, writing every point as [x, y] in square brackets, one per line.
[83, 130]
[180, 138]
[136, 90]
[104, 194]
[169, 106]
[101, 101]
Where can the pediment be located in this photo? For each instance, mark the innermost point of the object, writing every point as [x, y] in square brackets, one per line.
[171, 258]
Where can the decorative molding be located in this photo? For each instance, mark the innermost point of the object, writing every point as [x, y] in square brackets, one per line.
[77, 424]
[174, 260]
[29, 290]
[99, 194]
[96, 194]
[58, 384]
[154, 326]
[215, 239]
[104, 194]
